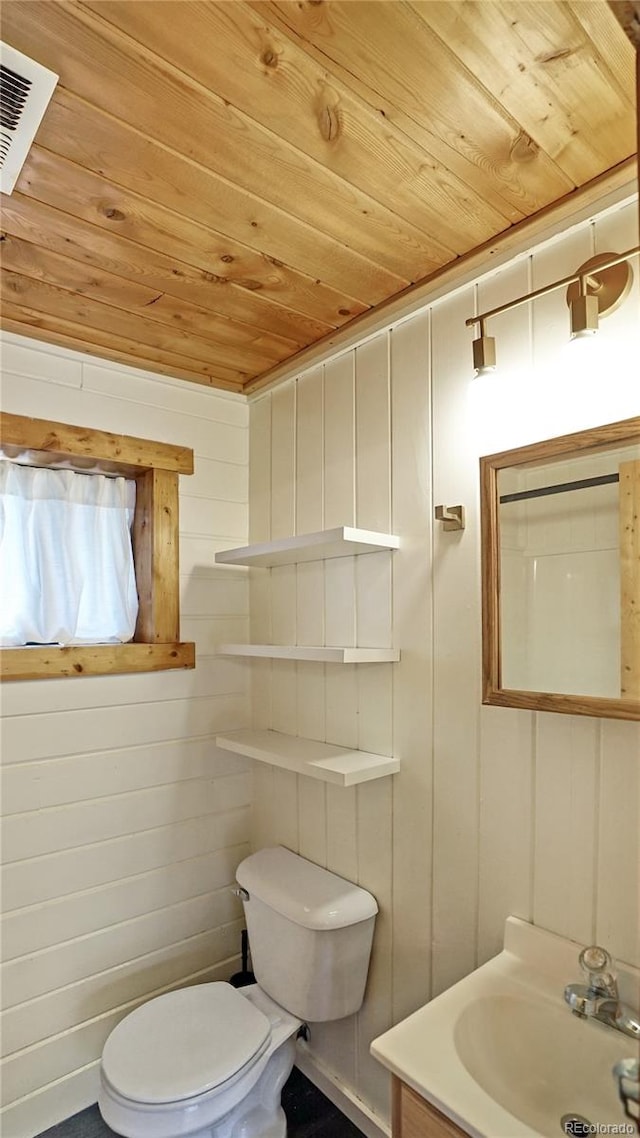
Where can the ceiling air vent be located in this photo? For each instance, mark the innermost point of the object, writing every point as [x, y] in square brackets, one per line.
[25, 90]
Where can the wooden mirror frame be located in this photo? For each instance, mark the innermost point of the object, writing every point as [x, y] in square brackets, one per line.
[624, 432]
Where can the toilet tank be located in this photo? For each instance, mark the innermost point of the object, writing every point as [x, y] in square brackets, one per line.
[310, 934]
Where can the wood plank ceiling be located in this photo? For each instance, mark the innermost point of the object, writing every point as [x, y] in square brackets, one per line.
[217, 185]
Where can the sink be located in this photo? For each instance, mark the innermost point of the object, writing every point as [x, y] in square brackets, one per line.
[500, 1052]
[540, 1062]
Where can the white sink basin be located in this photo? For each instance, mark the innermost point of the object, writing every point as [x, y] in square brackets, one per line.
[539, 1061]
[501, 1054]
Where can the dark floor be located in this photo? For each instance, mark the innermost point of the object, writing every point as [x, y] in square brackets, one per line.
[309, 1115]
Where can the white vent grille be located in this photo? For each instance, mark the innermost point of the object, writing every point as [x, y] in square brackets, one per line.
[25, 90]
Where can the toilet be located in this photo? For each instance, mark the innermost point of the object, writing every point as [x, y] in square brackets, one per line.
[210, 1060]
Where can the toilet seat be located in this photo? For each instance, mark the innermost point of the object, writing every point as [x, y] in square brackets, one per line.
[185, 1044]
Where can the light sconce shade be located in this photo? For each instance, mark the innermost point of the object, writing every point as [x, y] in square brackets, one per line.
[484, 352]
[596, 292]
[583, 312]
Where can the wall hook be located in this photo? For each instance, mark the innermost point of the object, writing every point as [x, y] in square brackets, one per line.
[452, 517]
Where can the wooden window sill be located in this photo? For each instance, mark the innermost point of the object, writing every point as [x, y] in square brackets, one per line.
[93, 660]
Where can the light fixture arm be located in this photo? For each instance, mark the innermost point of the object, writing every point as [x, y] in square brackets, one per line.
[585, 280]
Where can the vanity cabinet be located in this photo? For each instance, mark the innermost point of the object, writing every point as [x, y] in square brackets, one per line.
[413, 1117]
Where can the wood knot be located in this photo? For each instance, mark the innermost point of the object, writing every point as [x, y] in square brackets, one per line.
[250, 284]
[114, 214]
[78, 668]
[227, 258]
[329, 122]
[269, 58]
[344, 312]
[550, 57]
[524, 149]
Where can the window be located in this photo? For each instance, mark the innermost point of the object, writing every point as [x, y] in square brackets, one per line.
[155, 467]
[67, 574]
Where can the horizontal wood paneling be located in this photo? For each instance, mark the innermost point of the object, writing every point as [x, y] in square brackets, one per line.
[222, 441]
[82, 194]
[401, 172]
[580, 132]
[38, 879]
[179, 288]
[123, 823]
[64, 1009]
[173, 200]
[85, 1041]
[405, 81]
[205, 326]
[184, 185]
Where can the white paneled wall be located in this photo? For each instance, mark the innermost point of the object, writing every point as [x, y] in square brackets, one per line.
[495, 811]
[340, 430]
[123, 823]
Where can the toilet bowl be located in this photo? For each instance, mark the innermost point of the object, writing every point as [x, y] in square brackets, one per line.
[210, 1061]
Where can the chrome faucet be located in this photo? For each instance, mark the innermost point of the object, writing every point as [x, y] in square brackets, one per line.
[598, 998]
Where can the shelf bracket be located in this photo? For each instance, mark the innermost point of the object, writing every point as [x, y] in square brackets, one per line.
[452, 517]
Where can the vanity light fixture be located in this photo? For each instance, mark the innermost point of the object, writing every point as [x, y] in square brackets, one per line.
[595, 289]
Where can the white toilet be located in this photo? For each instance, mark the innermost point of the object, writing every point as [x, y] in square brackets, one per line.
[210, 1060]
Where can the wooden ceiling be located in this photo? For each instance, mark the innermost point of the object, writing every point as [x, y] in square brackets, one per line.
[217, 185]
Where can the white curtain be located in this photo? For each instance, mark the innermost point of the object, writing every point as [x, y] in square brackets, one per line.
[66, 562]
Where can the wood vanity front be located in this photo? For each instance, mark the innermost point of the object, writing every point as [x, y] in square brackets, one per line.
[413, 1117]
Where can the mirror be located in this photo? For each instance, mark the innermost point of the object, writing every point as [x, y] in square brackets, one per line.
[561, 574]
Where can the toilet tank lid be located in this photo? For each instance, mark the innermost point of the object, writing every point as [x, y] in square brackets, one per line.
[304, 892]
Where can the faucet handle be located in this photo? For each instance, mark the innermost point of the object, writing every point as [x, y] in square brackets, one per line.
[595, 959]
[597, 965]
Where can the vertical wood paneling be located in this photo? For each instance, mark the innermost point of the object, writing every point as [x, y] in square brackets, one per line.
[312, 819]
[284, 813]
[412, 505]
[340, 689]
[285, 792]
[339, 442]
[374, 801]
[495, 811]
[311, 801]
[456, 652]
[375, 825]
[264, 809]
[618, 897]
[260, 530]
[283, 461]
[373, 469]
[124, 823]
[629, 530]
[566, 805]
[504, 868]
[309, 452]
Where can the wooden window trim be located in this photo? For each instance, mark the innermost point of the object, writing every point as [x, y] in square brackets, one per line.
[156, 645]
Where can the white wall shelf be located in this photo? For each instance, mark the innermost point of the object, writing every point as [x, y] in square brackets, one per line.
[343, 541]
[324, 761]
[318, 653]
